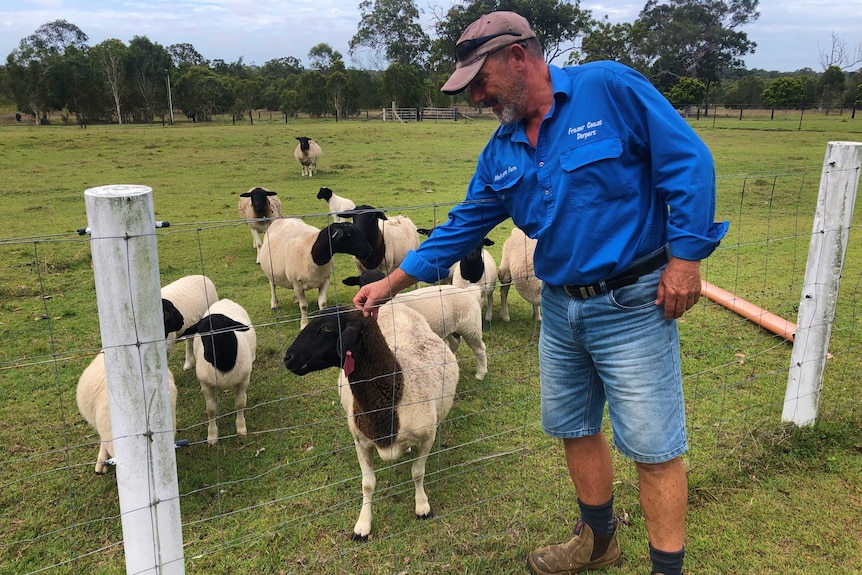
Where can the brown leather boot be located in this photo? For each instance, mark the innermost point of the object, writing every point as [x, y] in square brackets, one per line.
[575, 555]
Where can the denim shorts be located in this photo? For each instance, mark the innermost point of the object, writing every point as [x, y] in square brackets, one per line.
[618, 349]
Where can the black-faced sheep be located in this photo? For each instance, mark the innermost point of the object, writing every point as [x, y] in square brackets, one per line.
[298, 256]
[307, 153]
[516, 268]
[336, 203]
[477, 271]
[258, 207]
[184, 303]
[453, 313]
[225, 348]
[397, 382]
[94, 406]
[390, 238]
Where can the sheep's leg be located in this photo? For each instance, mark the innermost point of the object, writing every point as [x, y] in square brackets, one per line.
[103, 455]
[273, 301]
[369, 482]
[479, 351]
[239, 406]
[423, 508]
[453, 341]
[190, 354]
[212, 410]
[537, 312]
[504, 301]
[255, 240]
[489, 299]
[321, 294]
[303, 306]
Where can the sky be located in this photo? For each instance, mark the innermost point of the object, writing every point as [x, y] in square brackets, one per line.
[790, 34]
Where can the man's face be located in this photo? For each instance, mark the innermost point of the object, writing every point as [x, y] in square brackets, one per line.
[497, 87]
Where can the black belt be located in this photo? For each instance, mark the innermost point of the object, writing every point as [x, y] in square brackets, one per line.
[628, 276]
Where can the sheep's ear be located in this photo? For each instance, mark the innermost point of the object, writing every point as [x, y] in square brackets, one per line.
[349, 338]
[271, 193]
[424, 231]
[245, 195]
[196, 328]
[487, 242]
[337, 232]
[381, 216]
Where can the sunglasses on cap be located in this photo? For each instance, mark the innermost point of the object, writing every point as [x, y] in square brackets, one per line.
[467, 47]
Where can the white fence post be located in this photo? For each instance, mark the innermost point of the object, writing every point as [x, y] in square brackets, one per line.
[838, 185]
[125, 266]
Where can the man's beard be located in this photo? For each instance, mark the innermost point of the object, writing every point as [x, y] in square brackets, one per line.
[514, 102]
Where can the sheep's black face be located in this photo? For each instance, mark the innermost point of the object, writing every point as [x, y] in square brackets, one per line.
[316, 346]
[347, 239]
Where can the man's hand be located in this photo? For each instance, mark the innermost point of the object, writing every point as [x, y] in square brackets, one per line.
[679, 287]
[373, 295]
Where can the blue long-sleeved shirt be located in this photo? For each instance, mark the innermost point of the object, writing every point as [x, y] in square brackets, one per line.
[616, 173]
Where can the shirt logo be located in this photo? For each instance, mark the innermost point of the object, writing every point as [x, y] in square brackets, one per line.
[505, 173]
[585, 131]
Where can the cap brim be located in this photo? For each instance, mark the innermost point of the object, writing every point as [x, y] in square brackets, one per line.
[462, 77]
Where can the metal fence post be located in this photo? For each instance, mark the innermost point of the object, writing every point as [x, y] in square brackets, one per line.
[125, 266]
[839, 182]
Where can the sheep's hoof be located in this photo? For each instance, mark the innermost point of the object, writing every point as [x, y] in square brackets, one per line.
[429, 515]
[357, 537]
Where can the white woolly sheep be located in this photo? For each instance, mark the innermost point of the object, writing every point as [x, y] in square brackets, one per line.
[516, 268]
[94, 406]
[397, 383]
[477, 271]
[258, 207]
[336, 203]
[298, 256]
[307, 153]
[184, 303]
[225, 349]
[390, 238]
[452, 313]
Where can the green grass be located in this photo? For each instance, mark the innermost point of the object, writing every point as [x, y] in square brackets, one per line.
[764, 498]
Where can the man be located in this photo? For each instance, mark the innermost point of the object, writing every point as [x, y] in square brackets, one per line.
[619, 192]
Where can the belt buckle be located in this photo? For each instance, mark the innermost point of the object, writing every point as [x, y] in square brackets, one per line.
[581, 292]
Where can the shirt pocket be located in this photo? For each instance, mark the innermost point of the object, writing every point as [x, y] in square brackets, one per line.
[592, 176]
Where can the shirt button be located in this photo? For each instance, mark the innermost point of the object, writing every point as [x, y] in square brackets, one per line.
[541, 164]
[547, 192]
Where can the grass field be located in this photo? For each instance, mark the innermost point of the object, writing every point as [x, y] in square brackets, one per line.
[764, 498]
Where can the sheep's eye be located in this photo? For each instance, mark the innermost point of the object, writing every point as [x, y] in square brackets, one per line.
[328, 329]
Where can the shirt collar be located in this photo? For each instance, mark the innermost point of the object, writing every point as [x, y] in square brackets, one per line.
[562, 88]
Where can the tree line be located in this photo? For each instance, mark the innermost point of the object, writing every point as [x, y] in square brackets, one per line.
[691, 50]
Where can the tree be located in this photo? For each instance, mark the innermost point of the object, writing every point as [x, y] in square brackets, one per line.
[830, 87]
[323, 58]
[784, 92]
[147, 69]
[200, 93]
[184, 56]
[108, 58]
[839, 56]
[392, 28]
[693, 38]
[402, 84]
[606, 41]
[745, 93]
[686, 92]
[31, 67]
[559, 26]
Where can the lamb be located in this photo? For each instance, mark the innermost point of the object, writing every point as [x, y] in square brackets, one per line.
[307, 153]
[478, 271]
[258, 207]
[390, 238]
[94, 406]
[184, 303]
[298, 256]
[451, 312]
[225, 348]
[516, 268]
[336, 203]
[397, 383]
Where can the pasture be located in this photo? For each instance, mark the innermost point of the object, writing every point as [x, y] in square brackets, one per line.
[764, 497]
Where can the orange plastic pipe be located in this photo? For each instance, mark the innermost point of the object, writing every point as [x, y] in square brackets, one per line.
[749, 311]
